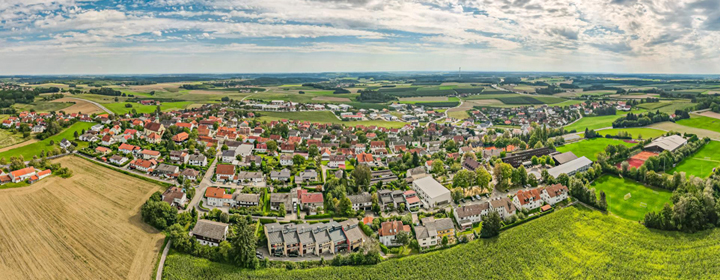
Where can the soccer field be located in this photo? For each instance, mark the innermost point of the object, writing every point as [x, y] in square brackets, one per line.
[590, 148]
[702, 162]
[641, 199]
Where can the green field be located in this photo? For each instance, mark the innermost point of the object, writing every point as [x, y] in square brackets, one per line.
[573, 243]
[322, 117]
[591, 147]
[702, 122]
[635, 132]
[42, 106]
[592, 123]
[30, 150]
[642, 199]
[119, 107]
[702, 162]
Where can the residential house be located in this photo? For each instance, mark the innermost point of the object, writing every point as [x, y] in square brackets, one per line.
[309, 175]
[528, 199]
[388, 230]
[217, 197]
[247, 200]
[210, 232]
[175, 197]
[361, 201]
[467, 215]
[554, 194]
[197, 160]
[503, 206]
[282, 175]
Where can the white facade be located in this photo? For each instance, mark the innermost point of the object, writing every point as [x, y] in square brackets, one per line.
[431, 192]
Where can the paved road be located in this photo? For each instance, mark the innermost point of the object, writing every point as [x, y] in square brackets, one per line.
[94, 103]
[158, 276]
[204, 183]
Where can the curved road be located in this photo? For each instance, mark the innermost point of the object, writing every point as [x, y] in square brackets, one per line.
[94, 103]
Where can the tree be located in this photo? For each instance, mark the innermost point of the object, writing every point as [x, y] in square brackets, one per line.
[361, 174]
[445, 241]
[298, 160]
[243, 244]
[402, 238]
[157, 213]
[491, 225]
[345, 207]
[534, 160]
[483, 177]
[602, 204]
[313, 151]
[457, 194]
[271, 146]
[438, 167]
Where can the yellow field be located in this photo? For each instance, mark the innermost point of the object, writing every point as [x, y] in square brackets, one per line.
[80, 105]
[84, 227]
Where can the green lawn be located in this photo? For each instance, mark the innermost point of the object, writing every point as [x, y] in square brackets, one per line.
[642, 199]
[322, 117]
[119, 107]
[30, 150]
[702, 122]
[572, 243]
[702, 162]
[592, 123]
[634, 132]
[590, 148]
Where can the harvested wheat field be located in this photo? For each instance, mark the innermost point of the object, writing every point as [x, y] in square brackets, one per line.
[710, 114]
[79, 106]
[85, 227]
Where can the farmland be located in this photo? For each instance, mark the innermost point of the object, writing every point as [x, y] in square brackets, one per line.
[571, 243]
[701, 163]
[701, 122]
[85, 227]
[119, 107]
[592, 123]
[322, 117]
[671, 126]
[642, 199]
[591, 147]
[42, 106]
[33, 149]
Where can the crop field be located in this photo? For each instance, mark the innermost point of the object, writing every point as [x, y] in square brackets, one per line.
[591, 147]
[654, 105]
[34, 148]
[477, 90]
[520, 100]
[79, 105]
[671, 126]
[573, 243]
[119, 107]
[701, 122]
[42, 106]
[85, 227]
[642, 199]
[322, 117]
[701, 163]
[592, 123]
[635, 132]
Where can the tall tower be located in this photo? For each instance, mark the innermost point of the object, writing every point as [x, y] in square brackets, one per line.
[459, 72]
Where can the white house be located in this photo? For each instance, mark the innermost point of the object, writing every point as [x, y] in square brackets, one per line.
[210, 232]
[388, 230]
[431, 192]
[554, 194]
[504, 207]
[218, 197]
[468, 215]
[528, 199]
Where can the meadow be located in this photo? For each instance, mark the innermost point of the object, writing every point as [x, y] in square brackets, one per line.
[595, 122]
[642, 199]
[701, 163]
[591, 147]
[701, 122]
[87, 226]
[572, 243]
[635, 132]
[33, 149]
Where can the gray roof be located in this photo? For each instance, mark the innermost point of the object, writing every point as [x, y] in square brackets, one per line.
[564, 157]
[430, 187]
[228, 153]
[248, 197]
[569, 167]
[471, 210]
[210, 229]
[198, 157]
[668, 143]
[281, 173]
[352, 231]
[336, 233]
[166, 168]
[249, 175]
[360, 198]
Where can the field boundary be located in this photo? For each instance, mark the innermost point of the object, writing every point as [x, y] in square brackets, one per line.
[162, 184]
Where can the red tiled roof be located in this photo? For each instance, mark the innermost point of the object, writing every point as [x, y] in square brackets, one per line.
[215, 192]
[22, 172]
[225, 169]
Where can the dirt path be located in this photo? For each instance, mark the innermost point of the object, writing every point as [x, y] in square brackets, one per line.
[18, 145]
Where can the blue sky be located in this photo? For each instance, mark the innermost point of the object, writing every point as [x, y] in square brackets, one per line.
[226, 36]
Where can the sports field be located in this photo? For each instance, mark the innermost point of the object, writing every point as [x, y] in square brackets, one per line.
[592, 123]
[572, 243]
[629, 199]
[591, 147]
[85, 227]
[702, 162]
[701, 122]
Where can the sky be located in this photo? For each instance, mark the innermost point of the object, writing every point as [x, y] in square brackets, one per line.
[282, 36]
